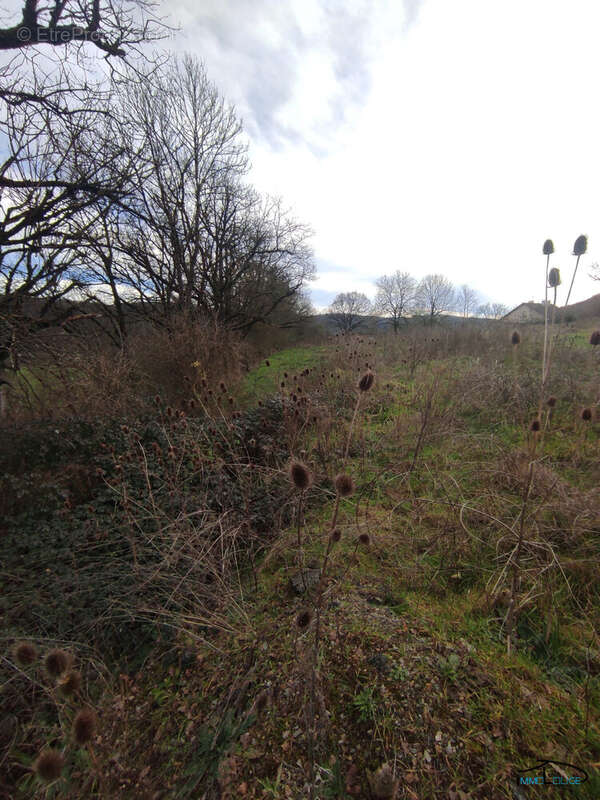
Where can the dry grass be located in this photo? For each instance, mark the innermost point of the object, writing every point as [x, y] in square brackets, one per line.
[463, 530]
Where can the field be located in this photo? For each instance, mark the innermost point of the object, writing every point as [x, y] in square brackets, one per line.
[239, 621]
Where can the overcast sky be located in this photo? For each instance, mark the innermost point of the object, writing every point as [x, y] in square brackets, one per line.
[421, 135]
[448, 136]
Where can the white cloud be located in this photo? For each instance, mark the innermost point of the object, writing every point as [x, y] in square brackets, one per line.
[476, 142]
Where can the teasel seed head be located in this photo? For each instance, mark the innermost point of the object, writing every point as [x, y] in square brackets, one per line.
[383, 784]
[300, 475]
[548, 248]
[24, 653]
[303, 619]
[344, 485]
[366, 382]
[57, 661]
[515, 338]
[580, 246]
[49, 765]
[595, 338]
[267, 363]
[551, 401]
[84, 726]
[535, 425]
[70, 683]
[364, 538]
[336, 535]
[261, 702]
[554, 277]
[586, 414]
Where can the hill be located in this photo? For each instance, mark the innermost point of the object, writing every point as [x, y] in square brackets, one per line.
[584, 310]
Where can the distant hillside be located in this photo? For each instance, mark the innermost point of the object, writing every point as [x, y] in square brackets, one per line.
[373, 324]
[585, 309]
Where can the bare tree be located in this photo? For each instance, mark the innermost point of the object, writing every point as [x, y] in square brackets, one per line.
[61, 144]
[395, 295]
[112, 27]
[435, 294]
[466, 299]
[485, 310]
[63, 178]
[348, 310]
[194, 237]
[44, 93]
[498, 310]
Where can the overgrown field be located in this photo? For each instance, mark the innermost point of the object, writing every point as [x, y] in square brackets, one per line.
[364, 570]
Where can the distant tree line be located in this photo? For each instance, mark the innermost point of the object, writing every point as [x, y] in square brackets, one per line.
[129, 187]
[400, 295]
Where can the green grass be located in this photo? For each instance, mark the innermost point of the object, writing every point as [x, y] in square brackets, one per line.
[264, 380]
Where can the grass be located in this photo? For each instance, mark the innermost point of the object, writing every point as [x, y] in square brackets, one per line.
[411, 665]
[264, 380]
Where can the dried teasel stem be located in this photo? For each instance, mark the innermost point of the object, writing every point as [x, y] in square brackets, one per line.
[579, 248]
[364, 385]
[515, 558]
[548, 249]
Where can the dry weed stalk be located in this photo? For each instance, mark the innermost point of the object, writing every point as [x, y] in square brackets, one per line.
[58, 684]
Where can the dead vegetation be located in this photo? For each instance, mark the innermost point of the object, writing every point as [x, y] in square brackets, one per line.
[410, 611]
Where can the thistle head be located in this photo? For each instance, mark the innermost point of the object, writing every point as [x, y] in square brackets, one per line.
[383, 784]
[515, 338]
[261, 702]
[57, 661]
[365, 539]
[580, 246]
[84, 726]
[366, 382]
[344, 485]
[595, 338]
[554, 277]
[336, 535]
[535, 425]
[586, 414]
[303, 619]
[24, 653]
[49, 765]
[70, 683]
[300, 475]
[551, 401]
[548, 248]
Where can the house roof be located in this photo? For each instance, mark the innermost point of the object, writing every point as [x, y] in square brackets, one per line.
[537, 307]
[582, 310]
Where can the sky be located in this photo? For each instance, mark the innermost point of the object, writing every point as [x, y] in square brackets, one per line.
[416, 135]
[419, 135]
